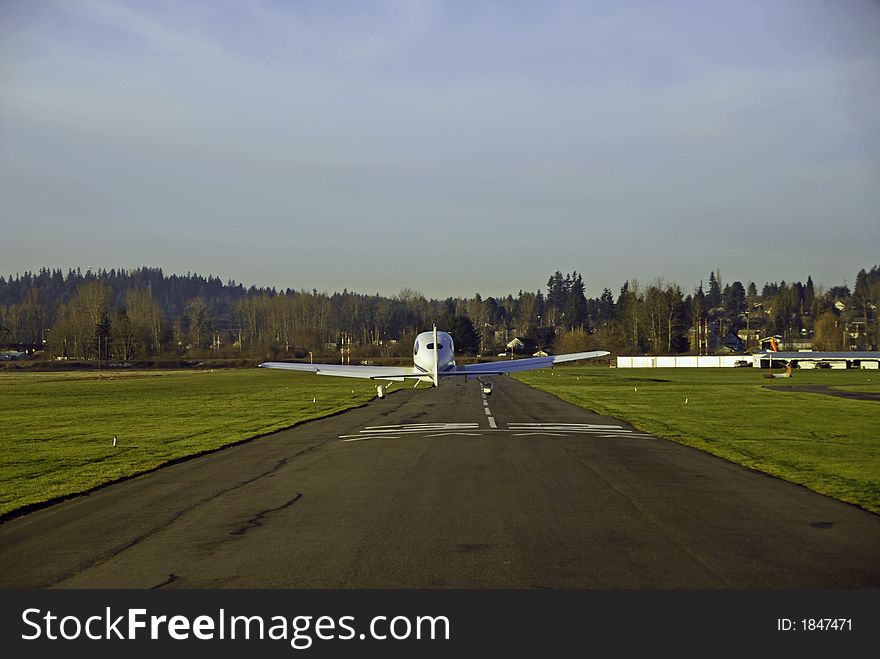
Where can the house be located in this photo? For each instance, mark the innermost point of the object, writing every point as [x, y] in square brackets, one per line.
[732, 343]
[13, 355]
[521, 344]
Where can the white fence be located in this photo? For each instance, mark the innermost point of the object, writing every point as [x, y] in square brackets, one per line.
[681, 361]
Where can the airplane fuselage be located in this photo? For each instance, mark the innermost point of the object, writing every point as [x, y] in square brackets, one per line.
[433, 353]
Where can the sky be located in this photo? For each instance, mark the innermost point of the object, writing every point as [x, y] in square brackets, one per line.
[446, 146]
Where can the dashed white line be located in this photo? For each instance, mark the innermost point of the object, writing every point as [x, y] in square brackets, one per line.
[492, 423]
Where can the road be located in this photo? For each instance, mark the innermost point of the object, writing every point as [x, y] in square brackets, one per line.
[447, 488]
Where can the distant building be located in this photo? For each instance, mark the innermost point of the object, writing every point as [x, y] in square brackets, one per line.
[802, 343]
[805, 360]
[521, 344]
[13, 356]
[813, 359]
[732, 343]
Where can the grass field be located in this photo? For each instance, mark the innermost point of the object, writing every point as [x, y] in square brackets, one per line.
[828, 444]
[57, 428]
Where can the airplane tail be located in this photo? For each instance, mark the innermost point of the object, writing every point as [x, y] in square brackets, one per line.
[436, 359]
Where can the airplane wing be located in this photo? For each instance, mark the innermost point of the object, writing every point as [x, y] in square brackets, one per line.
[395, 373]
[513, 365]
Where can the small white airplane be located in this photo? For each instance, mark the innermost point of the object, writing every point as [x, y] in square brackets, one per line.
[433, 359]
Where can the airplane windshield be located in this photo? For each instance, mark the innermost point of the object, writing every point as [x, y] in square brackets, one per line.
[430, 346]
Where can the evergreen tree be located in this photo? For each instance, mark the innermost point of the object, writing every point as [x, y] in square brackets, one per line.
[576, 303]
[734, 299]
[862, 293]
[809, 294]
[713, 297]
[464, 336]
[606, 309]
[556, 291]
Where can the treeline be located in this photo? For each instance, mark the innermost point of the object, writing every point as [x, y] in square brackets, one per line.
[143, 313]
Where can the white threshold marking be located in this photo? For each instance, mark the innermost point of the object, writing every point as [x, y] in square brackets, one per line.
[423, 425]
[409, 429]
[469, 429]
[599, 426]
[363, 437]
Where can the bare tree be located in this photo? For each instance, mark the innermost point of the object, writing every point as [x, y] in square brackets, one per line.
[197, 312]
[828, 333]
[123, 335]
[145, 315]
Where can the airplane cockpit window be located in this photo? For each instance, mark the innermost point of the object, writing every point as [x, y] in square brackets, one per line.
[430, 346]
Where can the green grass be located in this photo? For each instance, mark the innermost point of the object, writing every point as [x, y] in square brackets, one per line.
[828, 444]
[57, 428]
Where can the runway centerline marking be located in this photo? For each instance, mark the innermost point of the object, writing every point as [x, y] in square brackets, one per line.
[492, 423]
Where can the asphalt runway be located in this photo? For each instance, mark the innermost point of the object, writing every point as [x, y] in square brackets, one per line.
[445, 488]
[825, 390]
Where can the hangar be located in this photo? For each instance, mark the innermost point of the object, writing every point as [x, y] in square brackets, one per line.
[804, 359]
[813, 359]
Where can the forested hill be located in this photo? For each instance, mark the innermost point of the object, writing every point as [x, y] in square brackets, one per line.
[172, 292]
[124, 314]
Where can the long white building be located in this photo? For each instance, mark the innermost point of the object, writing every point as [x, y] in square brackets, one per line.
[803, 359]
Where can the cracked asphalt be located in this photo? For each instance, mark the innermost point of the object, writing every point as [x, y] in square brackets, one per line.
[447, 488]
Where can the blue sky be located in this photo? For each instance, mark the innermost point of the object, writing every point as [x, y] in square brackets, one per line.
[450, 147]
